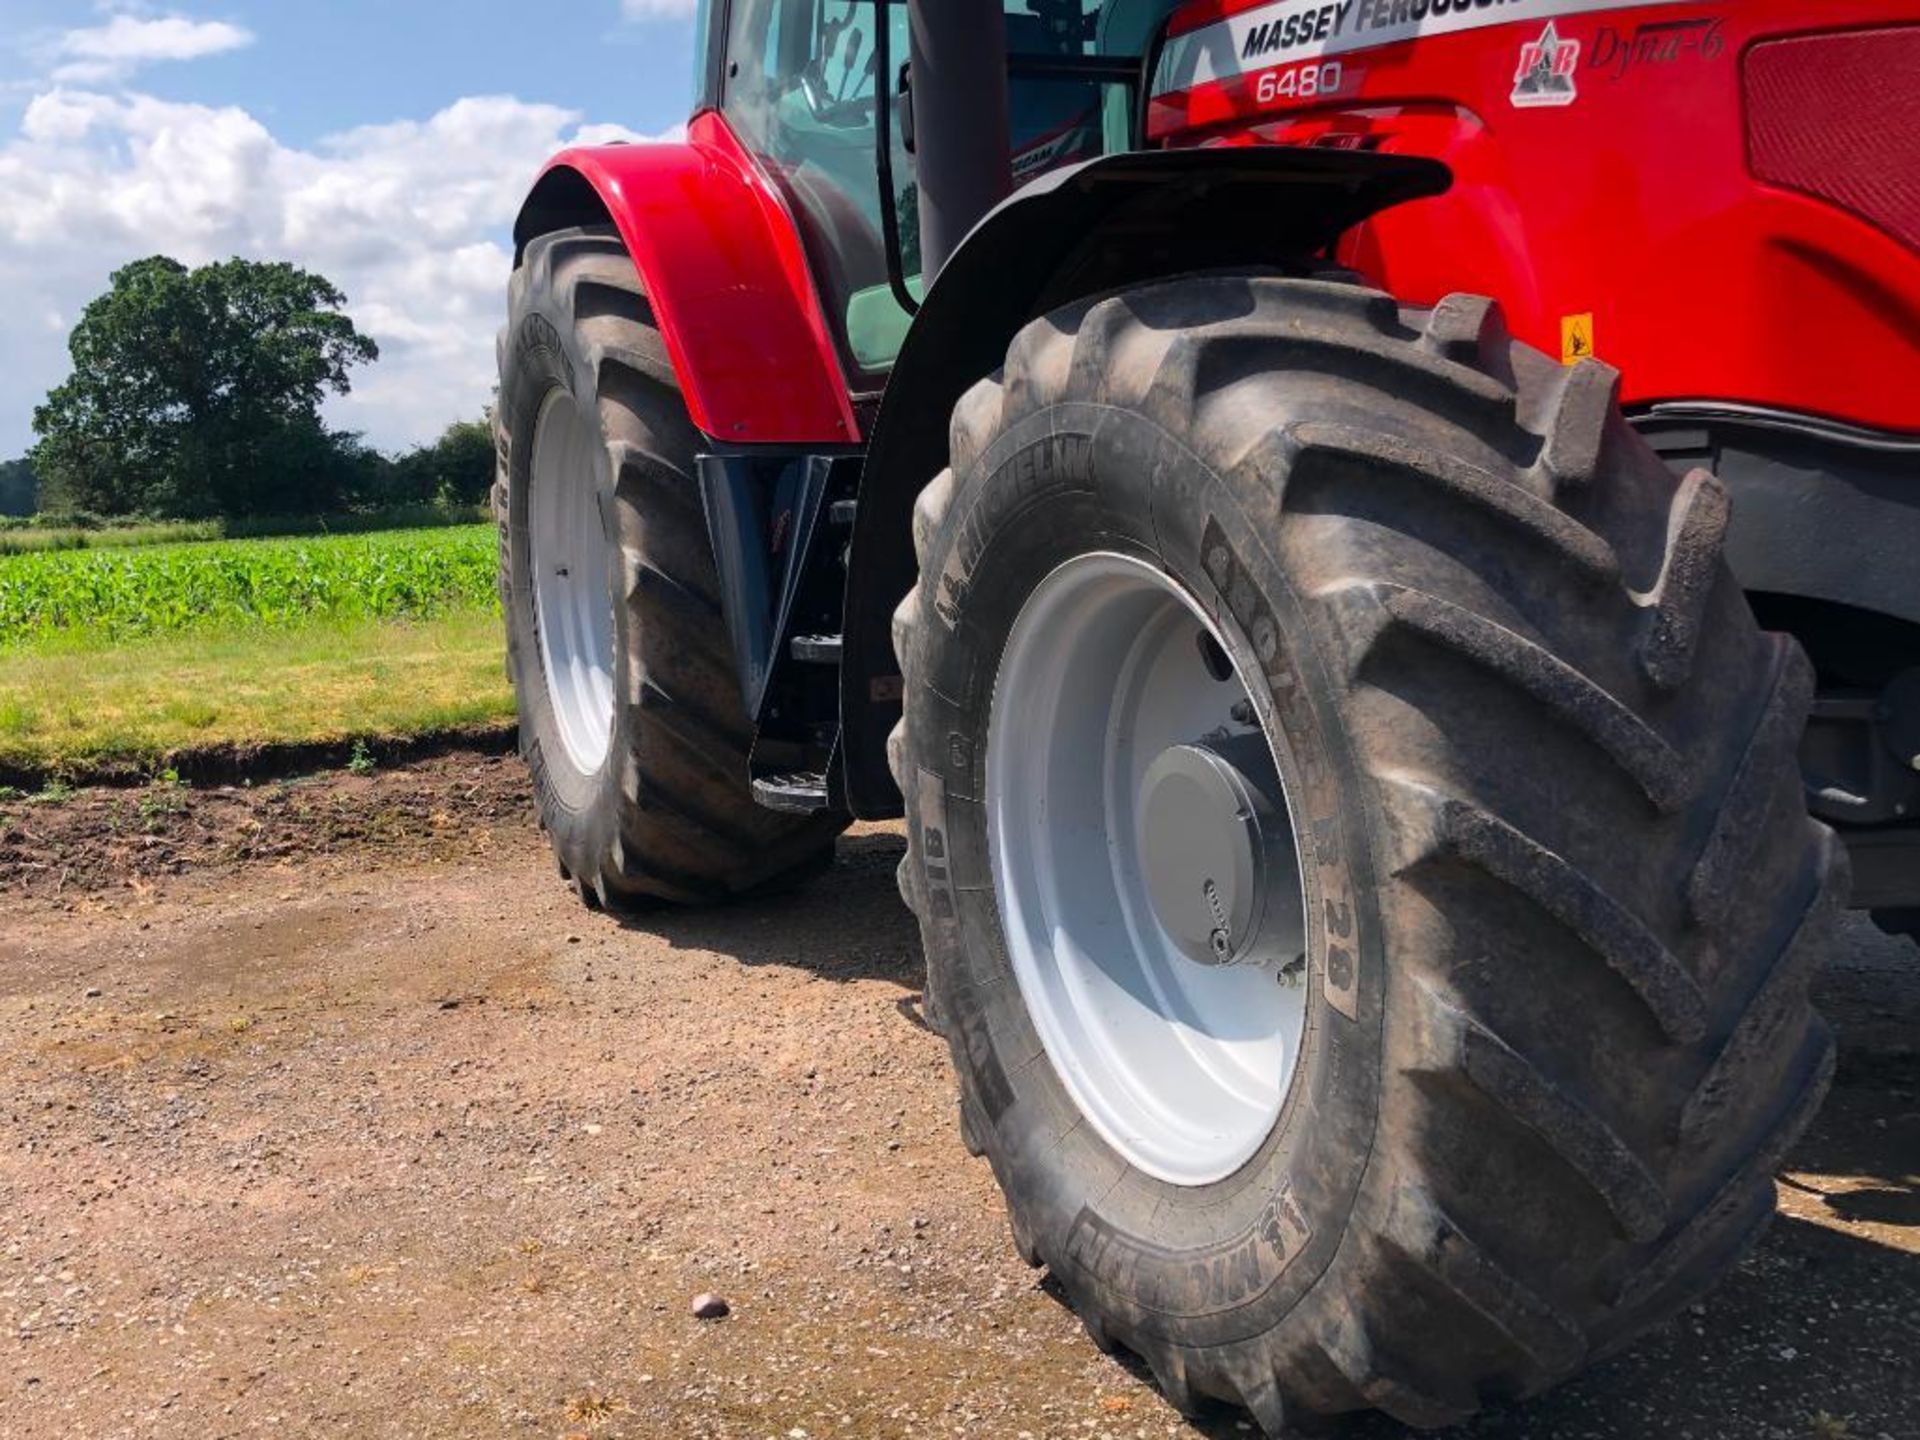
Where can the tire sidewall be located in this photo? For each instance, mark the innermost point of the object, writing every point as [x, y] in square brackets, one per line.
[579, 810]
[1205, 1265]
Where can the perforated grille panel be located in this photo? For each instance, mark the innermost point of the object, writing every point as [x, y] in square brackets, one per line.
[1838, 116]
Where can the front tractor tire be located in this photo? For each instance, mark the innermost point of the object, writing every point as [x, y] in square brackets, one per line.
[1450, 1037]
[630, 714]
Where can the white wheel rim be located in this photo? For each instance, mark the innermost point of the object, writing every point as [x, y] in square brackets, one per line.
[1182, 1067]
[572, 594]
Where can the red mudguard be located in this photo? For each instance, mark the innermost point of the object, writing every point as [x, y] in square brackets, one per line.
[725, 272]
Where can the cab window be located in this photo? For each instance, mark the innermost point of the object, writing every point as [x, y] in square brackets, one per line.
[802, 83]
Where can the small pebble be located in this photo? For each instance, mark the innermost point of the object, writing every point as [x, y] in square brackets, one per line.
[708, 1306]
[93, 993]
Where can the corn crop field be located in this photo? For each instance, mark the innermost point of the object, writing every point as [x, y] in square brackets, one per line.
[107, 596]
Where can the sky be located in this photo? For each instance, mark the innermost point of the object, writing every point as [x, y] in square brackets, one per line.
[384, 143]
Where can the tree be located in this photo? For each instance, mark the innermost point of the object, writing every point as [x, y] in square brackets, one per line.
[456, 469]
[197, 392]
[19, 488]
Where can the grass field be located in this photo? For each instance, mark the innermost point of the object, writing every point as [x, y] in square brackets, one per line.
[30, 537]
[79, 710]
[118, 659]
[36, 540]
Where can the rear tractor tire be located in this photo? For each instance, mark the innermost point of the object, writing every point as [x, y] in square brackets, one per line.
[1356, 837]
[630, 714]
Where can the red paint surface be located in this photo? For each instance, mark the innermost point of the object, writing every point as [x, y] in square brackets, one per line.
[1637, 202]
[725, 272]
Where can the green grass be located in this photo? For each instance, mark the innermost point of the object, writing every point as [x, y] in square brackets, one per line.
[77, 709]
[30, 537]
[89, 598]
[39, 540]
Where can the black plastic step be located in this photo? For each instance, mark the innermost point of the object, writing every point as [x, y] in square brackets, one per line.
[801, 793]
[817, 649]
[841, 512]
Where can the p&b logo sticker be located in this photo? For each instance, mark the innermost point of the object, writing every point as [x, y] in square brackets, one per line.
[1545, 73]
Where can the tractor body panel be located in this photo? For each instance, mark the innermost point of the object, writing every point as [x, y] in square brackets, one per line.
[1722, 200]
[725, 274]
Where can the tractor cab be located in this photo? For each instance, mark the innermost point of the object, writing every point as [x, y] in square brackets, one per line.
[821, 93]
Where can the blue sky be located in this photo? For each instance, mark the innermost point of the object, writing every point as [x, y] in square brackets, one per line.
[382, 142]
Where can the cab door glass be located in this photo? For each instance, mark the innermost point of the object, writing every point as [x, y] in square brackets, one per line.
[1054, 120]
[802, 82]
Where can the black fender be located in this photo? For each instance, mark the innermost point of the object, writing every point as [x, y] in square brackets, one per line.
[1120, 220]
[1821, 510]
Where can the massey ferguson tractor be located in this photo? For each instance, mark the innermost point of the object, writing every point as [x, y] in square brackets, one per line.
[1328, 518]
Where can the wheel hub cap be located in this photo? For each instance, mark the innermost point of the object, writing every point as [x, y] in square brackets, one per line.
[1144, 868]
[1215, 848]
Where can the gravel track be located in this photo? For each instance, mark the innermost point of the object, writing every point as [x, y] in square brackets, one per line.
[324, 1110]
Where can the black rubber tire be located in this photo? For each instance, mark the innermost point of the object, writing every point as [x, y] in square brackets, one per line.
[670, 815]
[1568, 898]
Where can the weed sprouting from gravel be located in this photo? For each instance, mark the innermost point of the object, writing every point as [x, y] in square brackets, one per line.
[161, 800]
[592, 1409]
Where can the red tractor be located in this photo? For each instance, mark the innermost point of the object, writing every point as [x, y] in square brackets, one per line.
[1279, 495]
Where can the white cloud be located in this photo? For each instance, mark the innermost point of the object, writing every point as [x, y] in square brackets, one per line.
[657, 9]
[64, 115]
[409, 218]
[620, 134]
[105, 53]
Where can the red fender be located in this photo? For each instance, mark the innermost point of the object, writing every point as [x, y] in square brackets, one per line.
[726, 274]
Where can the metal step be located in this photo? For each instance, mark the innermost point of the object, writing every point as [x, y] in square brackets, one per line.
[803, 793]
[841, 512]
[817, 649]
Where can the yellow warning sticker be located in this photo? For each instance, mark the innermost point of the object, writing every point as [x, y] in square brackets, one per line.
[1576, 338]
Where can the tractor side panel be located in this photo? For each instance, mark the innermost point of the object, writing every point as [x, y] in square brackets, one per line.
[1608, 162]
[725, 273]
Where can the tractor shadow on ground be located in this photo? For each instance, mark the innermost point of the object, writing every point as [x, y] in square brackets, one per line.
[846, 924]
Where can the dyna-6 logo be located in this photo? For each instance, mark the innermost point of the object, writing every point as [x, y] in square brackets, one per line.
[1236, 49]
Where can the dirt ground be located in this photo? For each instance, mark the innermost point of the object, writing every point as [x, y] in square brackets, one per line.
[323, 1110]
